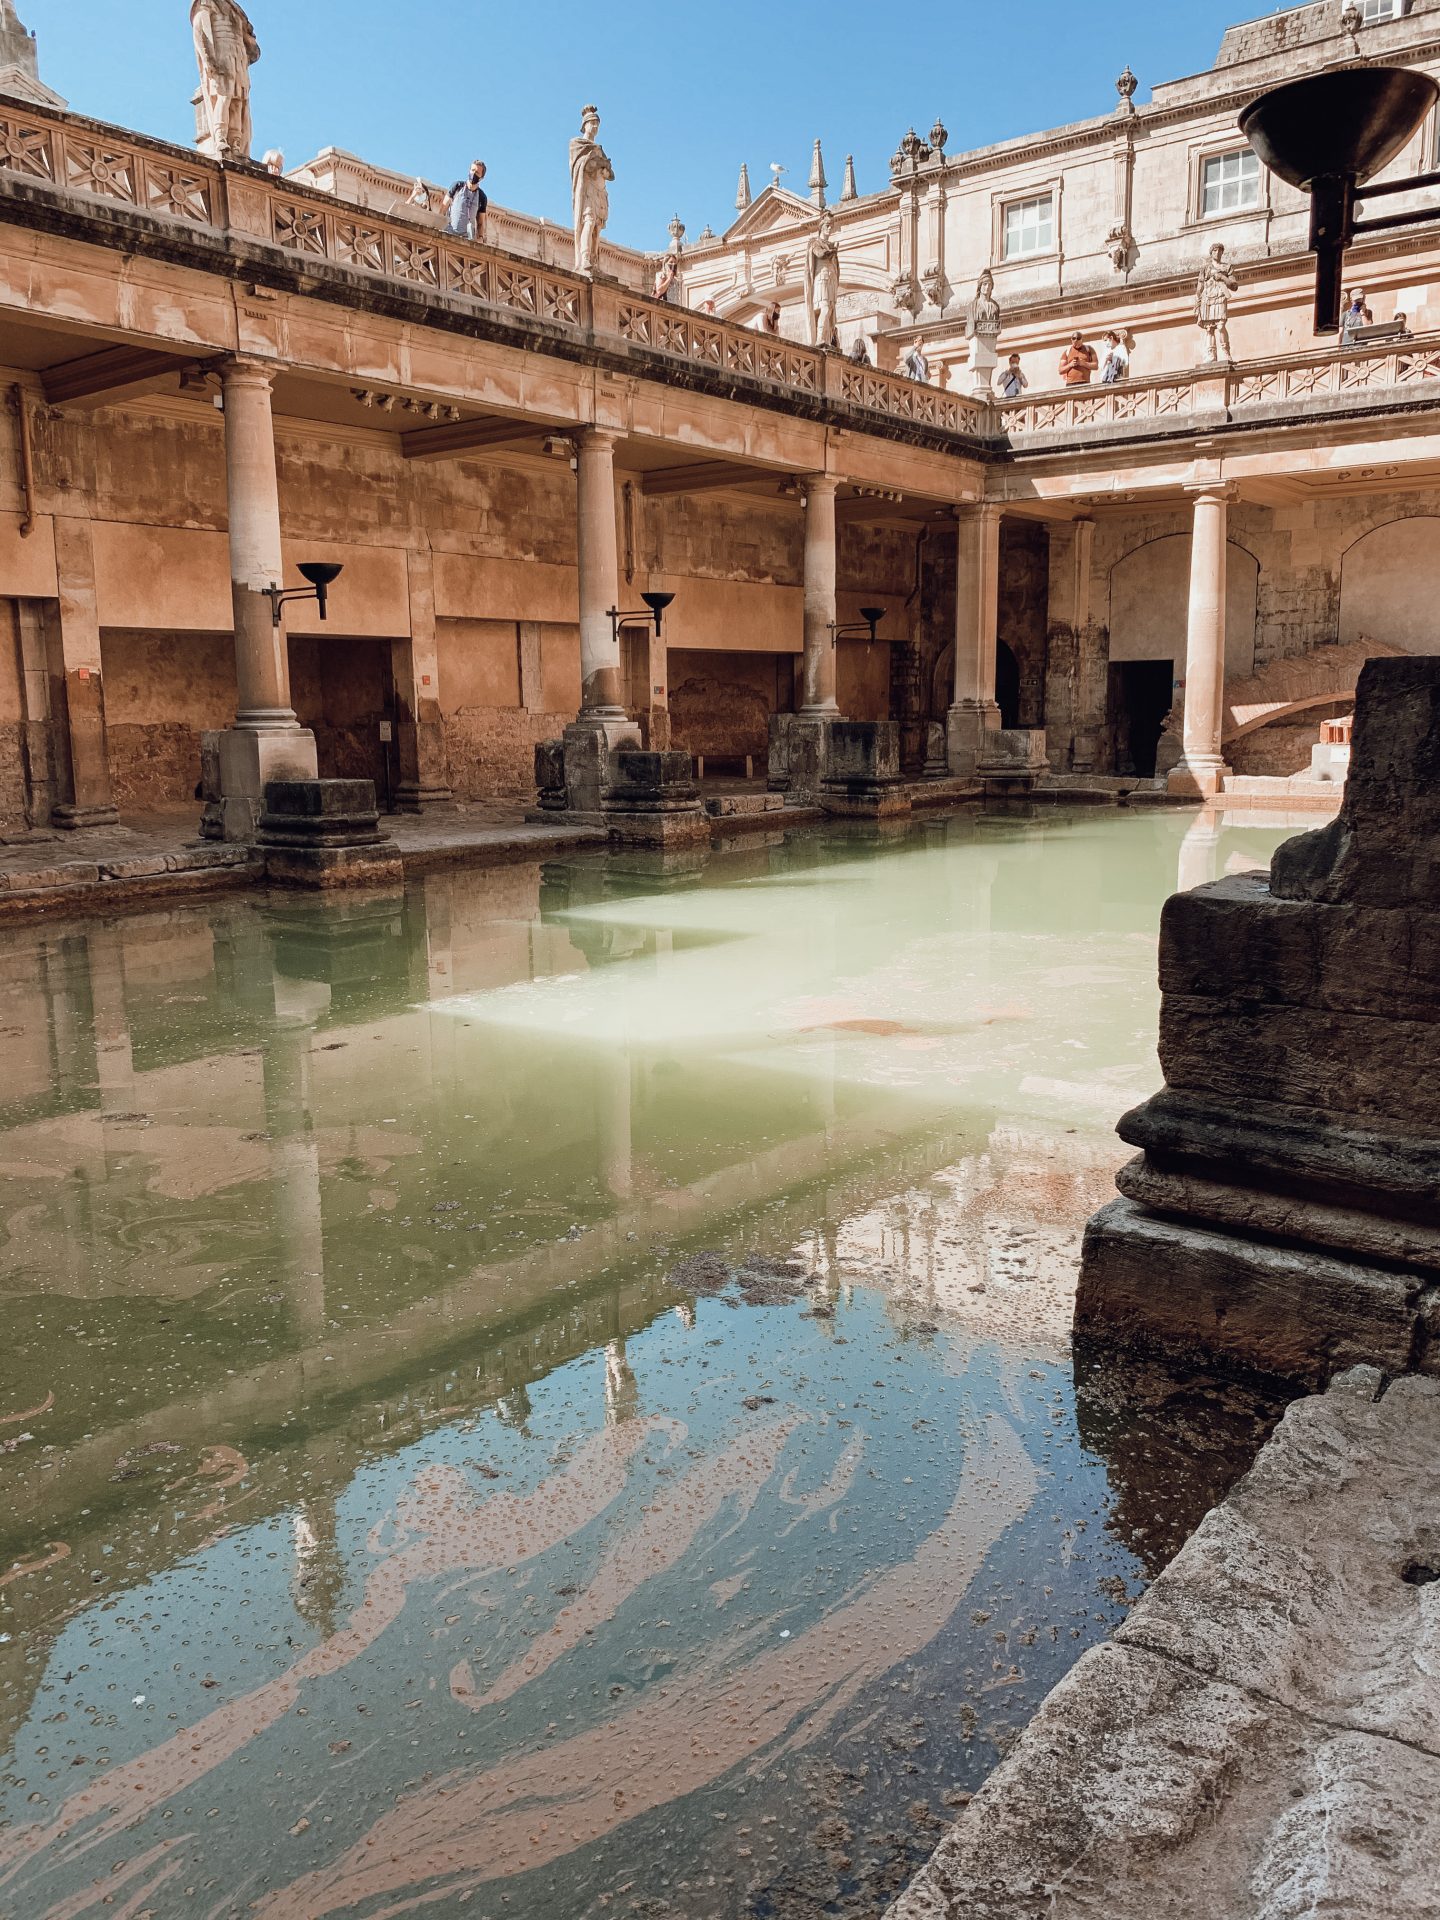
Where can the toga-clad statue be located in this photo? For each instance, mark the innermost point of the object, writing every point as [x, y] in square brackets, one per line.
[1212, 303]
[982, 316]
[983, 322]
[822, 282]
[590, 174]
[226, 48]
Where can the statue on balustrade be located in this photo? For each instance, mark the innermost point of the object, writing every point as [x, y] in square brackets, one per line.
[590, 177]
[226, 49]
[983, 324]
[822, 283]
[1212, 304]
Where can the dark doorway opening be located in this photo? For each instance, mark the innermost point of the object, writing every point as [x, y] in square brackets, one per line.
[1007, 685]
[1144, 696]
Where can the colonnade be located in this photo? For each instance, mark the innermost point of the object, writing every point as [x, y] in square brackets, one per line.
[267, 740]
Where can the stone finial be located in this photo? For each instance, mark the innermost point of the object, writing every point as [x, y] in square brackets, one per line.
[849, 191]
[818, 182]
[1127, 86]
[911, 151]
[20, 62]
[706, 234]
[743, 195]
[676, 231]
[939, 135]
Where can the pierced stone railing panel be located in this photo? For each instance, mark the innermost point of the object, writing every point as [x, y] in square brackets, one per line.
[1311, 376]
[906, 399]
[96, 161]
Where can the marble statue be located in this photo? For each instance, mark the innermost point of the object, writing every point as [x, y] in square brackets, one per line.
[226, 49]
[590, 175]
[1212, 303]
[822, 282]
[983, 322]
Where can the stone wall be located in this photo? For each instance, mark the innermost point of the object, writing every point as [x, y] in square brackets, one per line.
[13, 783]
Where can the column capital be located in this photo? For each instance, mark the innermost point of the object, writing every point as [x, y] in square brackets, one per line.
[1213, 490]
[983, 512]
[596, 439]
[821, 483]
[243, 370]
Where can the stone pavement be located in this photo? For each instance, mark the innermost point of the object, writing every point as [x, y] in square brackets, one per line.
[161, 854]
[1261, 1739]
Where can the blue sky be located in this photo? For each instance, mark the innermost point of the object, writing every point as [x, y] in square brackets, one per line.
[686, 92]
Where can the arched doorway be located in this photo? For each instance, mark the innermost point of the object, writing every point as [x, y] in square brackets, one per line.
[1390, 586]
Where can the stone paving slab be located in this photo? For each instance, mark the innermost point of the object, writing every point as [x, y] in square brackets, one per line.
[1261, 1739]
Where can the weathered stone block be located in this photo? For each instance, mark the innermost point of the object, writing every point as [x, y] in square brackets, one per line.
[1179, 1288]
[326, 833]
[1143, 1791]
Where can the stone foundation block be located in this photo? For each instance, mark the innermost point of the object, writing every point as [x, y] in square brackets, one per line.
[652, 800]
[326, 833]
[237, 766]
[861, 776]
[1179, 1288]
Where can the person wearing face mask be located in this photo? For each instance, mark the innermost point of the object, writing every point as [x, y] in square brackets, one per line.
[466, 204]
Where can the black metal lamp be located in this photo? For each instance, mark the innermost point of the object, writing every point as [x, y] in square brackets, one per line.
[868, 624]
[1330, 134]
[656, 603]
[322, 575]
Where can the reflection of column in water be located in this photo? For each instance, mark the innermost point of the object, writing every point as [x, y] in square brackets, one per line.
[612, 1122]
[685, 1313]
[1200, 852]
[295, 1160]
[513, 1410]
[114, 1064]
[319, 1565]
[622, 1390]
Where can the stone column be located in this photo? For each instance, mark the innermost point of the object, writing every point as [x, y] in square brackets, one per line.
[1202, 770]
[602, 724]
[267, 742]
[599, 560]
[974, 711]
[77, 693]
[818, 699]
[420, 730]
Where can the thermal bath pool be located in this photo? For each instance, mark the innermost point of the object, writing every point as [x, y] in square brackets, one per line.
[553, 1396]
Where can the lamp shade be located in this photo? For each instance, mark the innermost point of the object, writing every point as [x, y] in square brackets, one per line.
[1348, 123]
[320, 573]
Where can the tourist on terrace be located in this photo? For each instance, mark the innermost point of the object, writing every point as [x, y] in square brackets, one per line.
[770, 319]
[1355, 316]
[1079, 362]
[1013, 381]
[667, 276]
[915, 366]
[466, 203]
[1117, 361]
[860, 353]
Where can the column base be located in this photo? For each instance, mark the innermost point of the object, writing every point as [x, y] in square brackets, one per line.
[966, 725]
[1196, 778]
[862, 775]
[587, 745]
[804, 747]
[75, 819]
[412, 797]
[237, 765]
[326, 833]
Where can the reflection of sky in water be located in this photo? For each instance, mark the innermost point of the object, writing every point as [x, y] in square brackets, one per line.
[416, 1535]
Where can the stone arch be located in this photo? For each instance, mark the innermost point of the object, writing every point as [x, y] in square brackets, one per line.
[1390, 587]
[1150, 604]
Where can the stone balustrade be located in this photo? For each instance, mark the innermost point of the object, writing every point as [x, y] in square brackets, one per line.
[1321, 373]
[83, 158]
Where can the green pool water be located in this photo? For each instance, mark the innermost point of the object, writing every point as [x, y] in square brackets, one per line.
[552, 1395]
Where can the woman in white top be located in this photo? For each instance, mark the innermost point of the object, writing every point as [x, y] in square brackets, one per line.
[1117, 360]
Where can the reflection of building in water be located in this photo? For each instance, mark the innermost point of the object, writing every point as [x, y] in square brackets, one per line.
[1200, 851]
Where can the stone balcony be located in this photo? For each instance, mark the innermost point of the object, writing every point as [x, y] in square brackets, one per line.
[102, 184]
[1318, 383]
